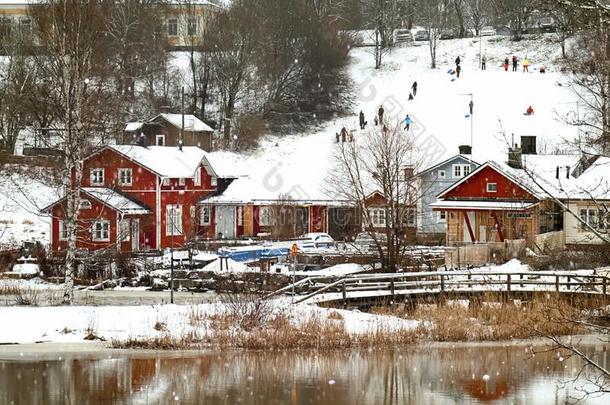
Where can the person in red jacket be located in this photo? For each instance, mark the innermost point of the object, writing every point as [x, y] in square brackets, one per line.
[529, 111]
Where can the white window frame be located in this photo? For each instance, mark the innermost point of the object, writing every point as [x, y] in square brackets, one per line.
[84, 205]
[457, 171]
[182, 181]
[124, 174]
[442, 174]
[62, 230]
[170, 22]
[101, 234]
[441, 217]
[591, 216]
[96, 176]
[466, 170]
[489, 187]
[191, 26]
[265, 216]
[125, 230]
[411, 219]
[377, 217]
[166, 182]
[197, 178]
[173, 227]
[213, 181]
[205, 215]
[160, 137]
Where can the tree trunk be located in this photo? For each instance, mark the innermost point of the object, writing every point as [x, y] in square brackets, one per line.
[229, 110]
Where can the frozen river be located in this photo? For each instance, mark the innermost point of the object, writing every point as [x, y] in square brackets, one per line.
[437, 374]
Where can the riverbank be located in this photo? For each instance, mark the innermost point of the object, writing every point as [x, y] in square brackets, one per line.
[249, 323]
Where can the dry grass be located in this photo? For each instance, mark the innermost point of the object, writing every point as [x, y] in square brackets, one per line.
[491, 319]
[26, 297]
[164, 342]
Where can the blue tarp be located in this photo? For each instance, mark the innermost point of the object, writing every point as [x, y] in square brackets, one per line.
[253, 253]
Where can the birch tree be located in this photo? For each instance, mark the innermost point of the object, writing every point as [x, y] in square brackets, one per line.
[73, 55]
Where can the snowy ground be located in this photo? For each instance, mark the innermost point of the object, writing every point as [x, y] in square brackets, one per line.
[70, 324]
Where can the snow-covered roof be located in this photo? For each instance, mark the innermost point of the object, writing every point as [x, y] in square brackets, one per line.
[544, 176]
[166, 161]
[133, 126]
[191, 123]
[116, 200]
[468, 158]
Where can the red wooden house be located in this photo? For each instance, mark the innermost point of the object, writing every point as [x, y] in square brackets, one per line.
[136, 197]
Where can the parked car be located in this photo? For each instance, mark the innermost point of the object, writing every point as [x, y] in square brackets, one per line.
[449, 34]
[402, 35]
[488, 31]
[421, 35]
[26, 267]
[547, 24]
[364, 241]
[318, 240]
[503, 30]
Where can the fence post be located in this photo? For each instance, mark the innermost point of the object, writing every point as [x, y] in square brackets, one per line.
[344, 294]
[604, 286]
[521, 278]
[556, 283]
[392, 289]
[508, 282]
[442, 282]
[569, 280]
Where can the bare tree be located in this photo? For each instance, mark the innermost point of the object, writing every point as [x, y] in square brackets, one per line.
[477, 13]
[379, 161]
[232, 43]
[434, 15]
[517, 12]
[74, 56]
[382, 16]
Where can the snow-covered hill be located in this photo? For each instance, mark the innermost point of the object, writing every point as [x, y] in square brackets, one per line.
[299, 164]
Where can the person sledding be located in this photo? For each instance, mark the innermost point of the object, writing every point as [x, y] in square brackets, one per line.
[344, 134]
[407, 121]
[362, 120]
[529, 111]
[414, 89]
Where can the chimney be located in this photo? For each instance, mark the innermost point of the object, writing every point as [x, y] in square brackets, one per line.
[514, 157]
[142, 140]
[528, 145]
[465, 150]
[165, 109]
[409, 171]
[567, 172]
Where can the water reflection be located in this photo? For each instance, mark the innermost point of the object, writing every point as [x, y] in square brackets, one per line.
[445, 375]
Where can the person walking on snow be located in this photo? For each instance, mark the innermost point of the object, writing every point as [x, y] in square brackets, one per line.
[407, 121]
[362, 122]
[515, 63]
[458, 69]
[484, 62]
[380, 114]
[414, 89]
[526, 65]
[506, 63]
[457, 62]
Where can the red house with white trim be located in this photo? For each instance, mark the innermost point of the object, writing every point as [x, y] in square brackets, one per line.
[137, 198]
